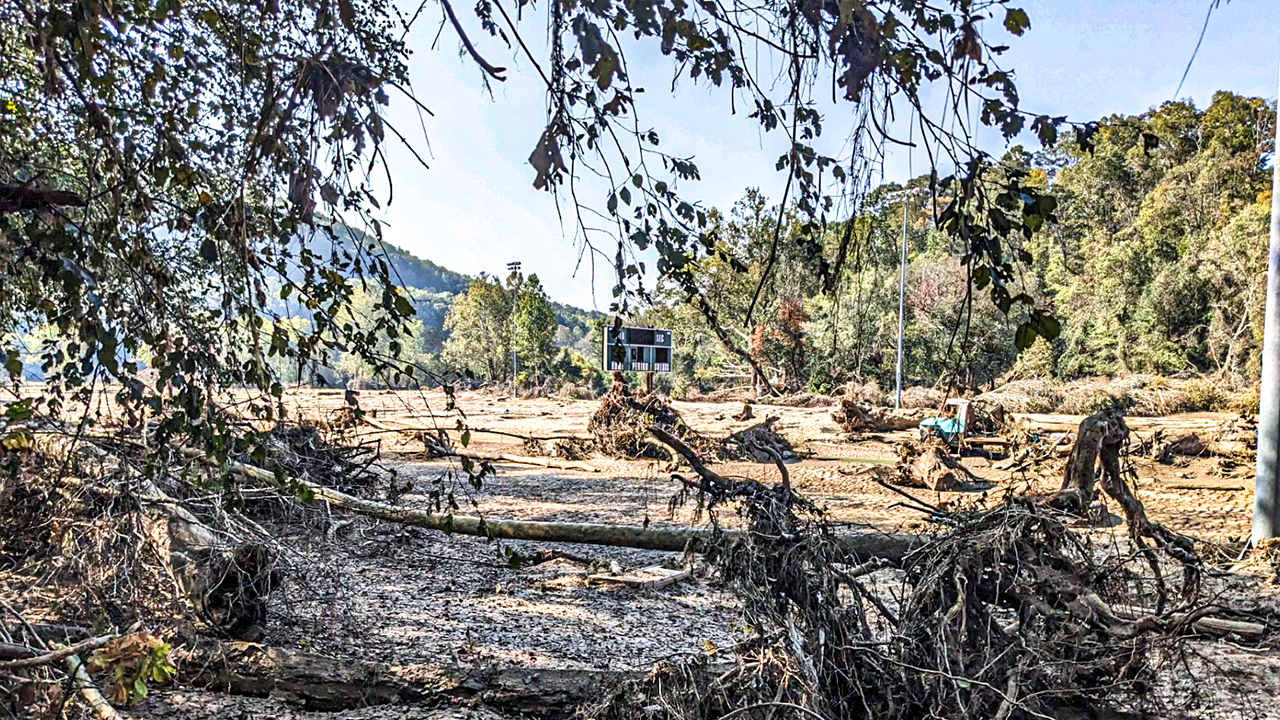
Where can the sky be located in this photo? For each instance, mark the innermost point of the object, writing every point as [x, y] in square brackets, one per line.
[473, 208]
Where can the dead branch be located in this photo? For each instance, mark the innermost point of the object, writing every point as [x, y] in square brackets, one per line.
[89, 691]
[708, 475]
[75, 666]
[54, 656]
[443, 451]
[491, 70]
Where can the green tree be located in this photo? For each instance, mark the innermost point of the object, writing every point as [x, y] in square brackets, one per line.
[479, 326]
[535, 328]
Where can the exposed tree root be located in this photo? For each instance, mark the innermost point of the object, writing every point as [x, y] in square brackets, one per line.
[1007, 615]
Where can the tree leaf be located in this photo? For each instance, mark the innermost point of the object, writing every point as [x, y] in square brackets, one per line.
[1016, 21]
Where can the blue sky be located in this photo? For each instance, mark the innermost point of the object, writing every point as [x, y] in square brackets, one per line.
[475, 209]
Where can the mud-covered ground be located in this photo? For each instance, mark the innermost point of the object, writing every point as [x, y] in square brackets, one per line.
[410, 598]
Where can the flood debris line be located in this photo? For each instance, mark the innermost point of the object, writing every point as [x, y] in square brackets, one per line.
[440, 447]
[1008, 615]
[90, 539]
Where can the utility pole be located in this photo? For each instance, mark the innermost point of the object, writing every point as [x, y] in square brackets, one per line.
[1266, 492]
[902, 302]
[514, 267]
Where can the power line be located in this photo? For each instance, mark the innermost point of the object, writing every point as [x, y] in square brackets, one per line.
[1212, 4]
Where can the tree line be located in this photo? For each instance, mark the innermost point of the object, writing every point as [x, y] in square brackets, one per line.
[1154, 263]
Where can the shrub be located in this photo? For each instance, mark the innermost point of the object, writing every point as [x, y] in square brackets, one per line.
[1203, 395]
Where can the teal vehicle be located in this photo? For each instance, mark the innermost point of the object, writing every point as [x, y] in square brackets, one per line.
[949, 429]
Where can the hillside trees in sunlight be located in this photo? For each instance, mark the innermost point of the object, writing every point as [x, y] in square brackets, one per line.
[479, 326]
[1156, 266]
[1160, 254]
[535, 330]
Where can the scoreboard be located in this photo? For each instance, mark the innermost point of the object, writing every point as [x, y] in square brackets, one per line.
[636, 349]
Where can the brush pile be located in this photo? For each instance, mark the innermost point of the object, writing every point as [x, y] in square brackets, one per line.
[302, 452]
[92, 540]
[621, 424]
[1007, 615]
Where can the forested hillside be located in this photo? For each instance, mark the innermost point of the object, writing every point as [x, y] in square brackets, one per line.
[1155, 265]
[433, 290]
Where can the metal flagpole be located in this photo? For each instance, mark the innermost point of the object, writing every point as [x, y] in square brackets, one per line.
[1266, 511]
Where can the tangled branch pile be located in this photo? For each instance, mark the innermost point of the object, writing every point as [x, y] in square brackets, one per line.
[1008, 615]
[621, 424]
[304, 453]
[759, 443]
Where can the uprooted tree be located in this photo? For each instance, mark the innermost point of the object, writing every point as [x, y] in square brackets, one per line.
[1008, 614]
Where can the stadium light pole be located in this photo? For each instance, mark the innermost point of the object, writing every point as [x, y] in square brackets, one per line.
[902, 272]
[1266, 492]
[902, 304]
[514, 267]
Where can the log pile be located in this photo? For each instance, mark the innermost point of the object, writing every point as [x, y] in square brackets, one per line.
[855, 418]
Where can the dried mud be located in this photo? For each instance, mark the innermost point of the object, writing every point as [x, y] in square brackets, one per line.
[405, 596]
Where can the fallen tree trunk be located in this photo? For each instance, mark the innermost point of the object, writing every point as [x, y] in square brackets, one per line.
[854, 418]
[324, 683]
[863, 546]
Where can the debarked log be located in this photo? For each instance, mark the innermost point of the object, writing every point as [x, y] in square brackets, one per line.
[860, 546]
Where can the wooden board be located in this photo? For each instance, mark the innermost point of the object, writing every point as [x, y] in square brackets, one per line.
[652, 577]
